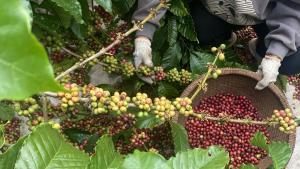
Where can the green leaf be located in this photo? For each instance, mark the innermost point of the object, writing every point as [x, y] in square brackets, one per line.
[76, 135]
[64, 16]
[180, 137]
[8, 159]
[159, 39]
[177, 8]
[172, 31]
[259, 140]
[248, 166]
[147, 122]
[187, 29]
[121, 6]
[71, 6]
[144, 160]
[28, 9]
[214, 158]
[6, 111]
[106, 4]
[167, 90]
[79, 30]
[281, 82]
[2, 139]
[25, 69]
[46, 148]
[199, 60]
[172, 56]
[280, 153]
[106, 156]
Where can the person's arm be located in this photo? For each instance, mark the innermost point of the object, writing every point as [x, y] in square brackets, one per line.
[284, 24]
[144, 7]
[283, 39]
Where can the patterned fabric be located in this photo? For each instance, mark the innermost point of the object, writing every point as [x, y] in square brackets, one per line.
[238, 12]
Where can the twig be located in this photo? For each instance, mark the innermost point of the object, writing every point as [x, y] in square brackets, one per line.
[71, 53]
[45, 112]
[203, 82]
[243, 121]
[136, 27]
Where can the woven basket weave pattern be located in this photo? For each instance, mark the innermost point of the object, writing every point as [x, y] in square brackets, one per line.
[242, 82]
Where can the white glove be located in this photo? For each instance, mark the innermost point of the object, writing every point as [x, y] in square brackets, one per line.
[269, 70]
[143, 52]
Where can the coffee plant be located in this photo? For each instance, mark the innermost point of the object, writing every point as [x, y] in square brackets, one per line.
[51, 116]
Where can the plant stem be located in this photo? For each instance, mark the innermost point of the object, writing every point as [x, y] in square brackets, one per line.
[203, 82]
[45, 112]
[71, 53]
[243, 121]
[136, 27]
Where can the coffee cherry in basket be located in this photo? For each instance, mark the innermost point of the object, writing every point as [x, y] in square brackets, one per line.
[234, 137]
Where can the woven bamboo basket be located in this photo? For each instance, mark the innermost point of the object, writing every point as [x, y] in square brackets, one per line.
[242, 82]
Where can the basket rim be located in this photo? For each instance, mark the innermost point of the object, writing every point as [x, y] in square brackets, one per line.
[250, 74]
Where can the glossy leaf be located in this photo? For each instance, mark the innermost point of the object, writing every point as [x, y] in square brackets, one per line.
[147, 122]
[259, 140]
[187, 29]
[144, 160]
[280, 153]
[172, 31]
[25, 69]
[2, 139]
[106, 156]
[177, 8]
[106, 4]
[8, 159]
[71, 6]
[172, 56]
[121, 6]
[214, 158]
[167, 90]
[180, 137]
[199, 60]
[6, 111]
[248, 166]
[46, 148]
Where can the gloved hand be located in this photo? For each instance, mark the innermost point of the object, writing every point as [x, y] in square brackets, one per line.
[143, 52]
[269, 70]
[143, 55]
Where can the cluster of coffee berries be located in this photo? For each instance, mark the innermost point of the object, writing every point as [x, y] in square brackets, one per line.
[54, 44]
[99, 100]
[144, 71]
[119, 102]
[244, 35]
[142, 101]
[185, 77]
[295, 81]
[128, 69]
[286, 120]
[11, 130]
[26, 107]
[70, 98]
[88, 54]
[122, 122]
[139, 139]
[183, 105]
[173, 75]
[159, 73]
[216, 73]
[112, 64]
[219, 51]
[234, 137]
[95, 124]
[36, 118]
[55, 125]
[163, 108]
